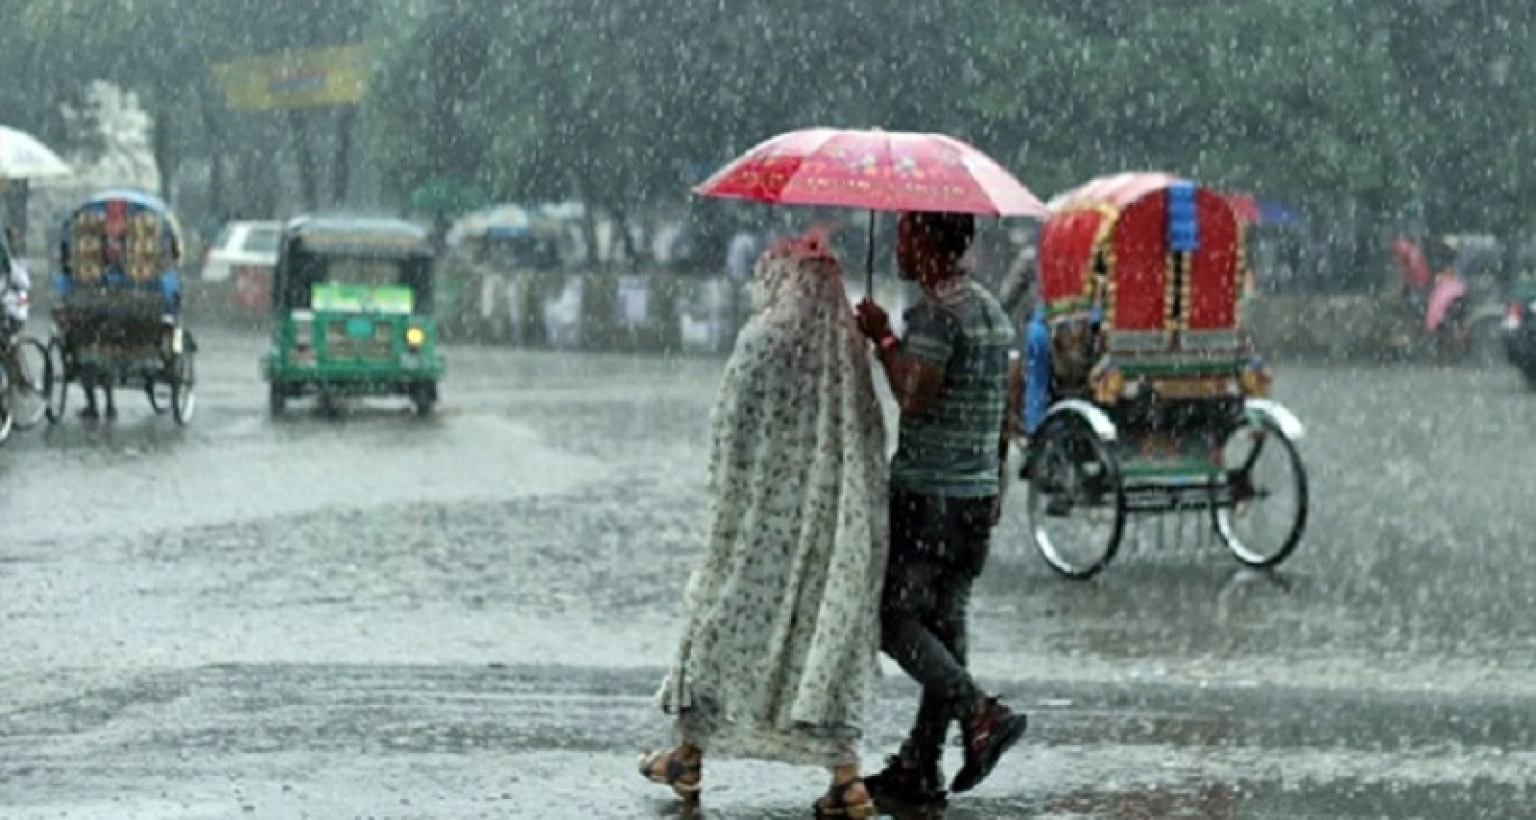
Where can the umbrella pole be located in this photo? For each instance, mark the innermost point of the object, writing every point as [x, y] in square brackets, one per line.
[869, 261]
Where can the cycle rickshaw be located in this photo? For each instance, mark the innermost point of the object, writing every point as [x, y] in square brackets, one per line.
[1147, 399]
[118, 321]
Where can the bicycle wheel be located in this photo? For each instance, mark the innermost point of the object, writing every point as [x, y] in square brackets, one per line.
[6, 421]
[31, 382]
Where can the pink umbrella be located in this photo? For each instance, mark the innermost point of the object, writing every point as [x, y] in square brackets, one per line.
[874, 170]
[1410, 258]
[1446, 292]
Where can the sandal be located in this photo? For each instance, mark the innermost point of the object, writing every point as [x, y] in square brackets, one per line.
[686, 779]
[835, 803]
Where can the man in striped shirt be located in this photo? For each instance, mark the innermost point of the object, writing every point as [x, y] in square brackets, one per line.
[950, 376]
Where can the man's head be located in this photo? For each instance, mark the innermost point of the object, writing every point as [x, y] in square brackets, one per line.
[930, 244]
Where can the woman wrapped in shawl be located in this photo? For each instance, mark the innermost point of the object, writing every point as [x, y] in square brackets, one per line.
[780, 637]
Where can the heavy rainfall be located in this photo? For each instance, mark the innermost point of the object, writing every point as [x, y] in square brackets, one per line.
[422, 408]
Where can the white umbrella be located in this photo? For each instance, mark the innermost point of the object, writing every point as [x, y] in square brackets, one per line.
[509, 217]
[23, 157]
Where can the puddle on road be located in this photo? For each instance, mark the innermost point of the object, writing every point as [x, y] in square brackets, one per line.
[173, 484]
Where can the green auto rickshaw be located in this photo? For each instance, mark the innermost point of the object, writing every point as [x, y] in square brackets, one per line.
[352, 312]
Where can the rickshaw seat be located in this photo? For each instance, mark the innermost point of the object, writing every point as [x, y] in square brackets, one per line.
[127, 318]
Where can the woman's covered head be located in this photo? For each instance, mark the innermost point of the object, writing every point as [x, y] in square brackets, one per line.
[802, 268]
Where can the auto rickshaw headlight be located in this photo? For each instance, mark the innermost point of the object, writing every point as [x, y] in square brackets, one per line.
[414, 336]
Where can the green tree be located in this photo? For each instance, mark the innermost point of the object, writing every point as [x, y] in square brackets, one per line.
[164, 50]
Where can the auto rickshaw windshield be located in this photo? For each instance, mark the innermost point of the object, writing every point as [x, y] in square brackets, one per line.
[366, 272]
[310, 269]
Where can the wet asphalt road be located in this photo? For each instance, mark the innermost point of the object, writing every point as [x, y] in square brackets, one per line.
[464, 617]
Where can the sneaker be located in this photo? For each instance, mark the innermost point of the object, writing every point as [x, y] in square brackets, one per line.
[988, 734]
[907, 784]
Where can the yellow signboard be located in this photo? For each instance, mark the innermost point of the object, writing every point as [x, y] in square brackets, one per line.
[296, 79]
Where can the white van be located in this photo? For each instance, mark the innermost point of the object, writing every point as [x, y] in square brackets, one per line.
[242, 245]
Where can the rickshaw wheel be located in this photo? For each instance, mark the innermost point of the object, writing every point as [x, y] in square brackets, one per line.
[1247, 493]
[183, 387]
[7, 420]
[1073, 476]
[58, 393]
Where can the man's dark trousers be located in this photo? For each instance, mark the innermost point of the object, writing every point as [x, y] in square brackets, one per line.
[938, 548]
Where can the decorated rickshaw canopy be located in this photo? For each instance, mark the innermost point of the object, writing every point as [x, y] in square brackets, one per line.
[131, 230]
[1159, 255]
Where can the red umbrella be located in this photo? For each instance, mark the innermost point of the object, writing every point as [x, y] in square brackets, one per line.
[877, 170]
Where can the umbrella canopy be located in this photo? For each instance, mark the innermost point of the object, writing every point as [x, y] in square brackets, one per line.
[874, 170]
[1447, 290]
[504, 219]
[23, 157]
[1255, 211]
[1411, 263]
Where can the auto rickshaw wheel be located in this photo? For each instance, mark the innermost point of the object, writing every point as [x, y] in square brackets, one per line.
[328, 403]
[424, 398]
[277, 399]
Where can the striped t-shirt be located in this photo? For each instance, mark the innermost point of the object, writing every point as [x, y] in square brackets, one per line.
[952, 450]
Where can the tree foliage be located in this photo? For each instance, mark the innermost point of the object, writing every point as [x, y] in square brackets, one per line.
[622, 103]
[1315, 101]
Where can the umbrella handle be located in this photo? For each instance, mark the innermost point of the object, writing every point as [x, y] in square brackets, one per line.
[869, 261]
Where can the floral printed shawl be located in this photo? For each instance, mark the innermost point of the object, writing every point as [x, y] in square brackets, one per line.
[778, 654]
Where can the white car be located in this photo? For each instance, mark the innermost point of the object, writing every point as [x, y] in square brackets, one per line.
[242, 245]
